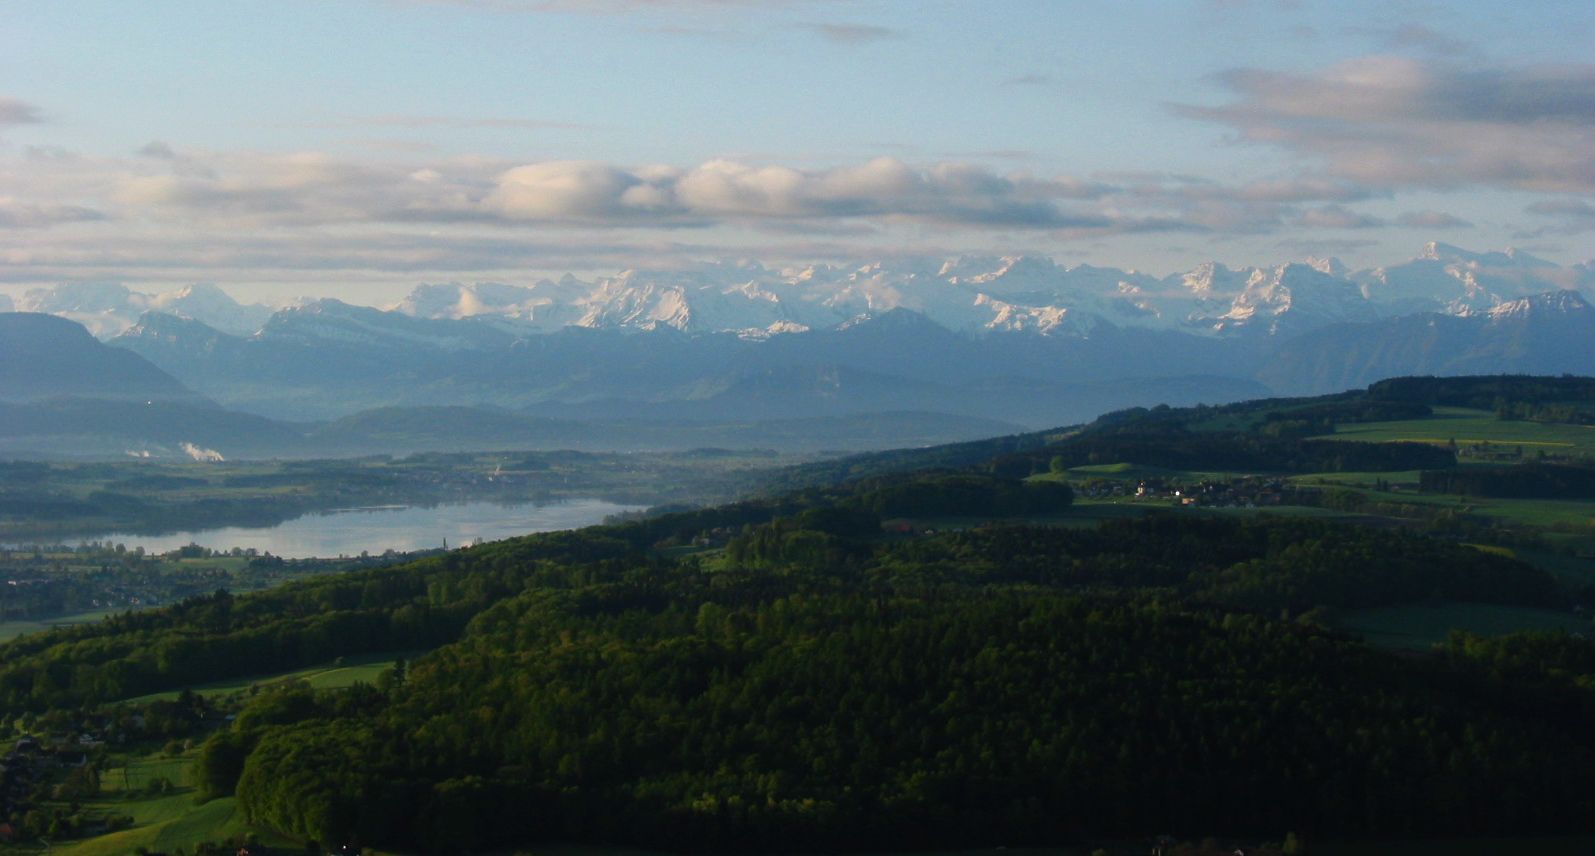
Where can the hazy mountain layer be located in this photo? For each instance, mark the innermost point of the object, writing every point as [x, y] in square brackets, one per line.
[42, 356]
[1020, 340]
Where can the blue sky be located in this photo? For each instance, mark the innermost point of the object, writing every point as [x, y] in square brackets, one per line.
[356, 147]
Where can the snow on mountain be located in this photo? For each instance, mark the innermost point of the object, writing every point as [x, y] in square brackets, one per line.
[1297, 296]
[716, 298]
[1560, 302]
[972, 295]
[208, 304]
[330, 321]
[977, 294]
[107, 309]
[1027, 319]
[1211, 281]
[1444, 278]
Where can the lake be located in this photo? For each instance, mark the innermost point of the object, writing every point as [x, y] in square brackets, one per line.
[349, 531]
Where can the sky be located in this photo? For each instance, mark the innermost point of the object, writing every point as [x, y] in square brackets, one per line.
[355, 148]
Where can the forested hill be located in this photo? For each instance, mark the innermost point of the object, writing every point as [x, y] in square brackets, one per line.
[790, 673]
[1281, 435]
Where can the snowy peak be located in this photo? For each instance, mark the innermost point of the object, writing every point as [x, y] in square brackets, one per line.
[1509, 257]
[973, 295]
[1550, 304]
[1295, 295]
[216, 308]
[1330, 266]
[1211, 280]
[107, 309]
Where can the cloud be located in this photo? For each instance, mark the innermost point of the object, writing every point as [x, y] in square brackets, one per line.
[1324, 247]
[1417, 37]
[575, 190]
[1573, 216]
[1399, 122]
[158, 150]
[23, 215]
[850, 34]
[1336, 217]
[17, 112]
[1562, 208]
[251, 190]
[732, 191]
[1432, 220]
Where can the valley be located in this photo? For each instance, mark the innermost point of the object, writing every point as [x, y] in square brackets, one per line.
[1291, 537]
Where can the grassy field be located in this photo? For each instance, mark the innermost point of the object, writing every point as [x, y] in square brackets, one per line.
[161, 822]
[1573, 515]
[346, 672]
[1136, 472]
[1419, 627]
[1473, 427]
[12, 629]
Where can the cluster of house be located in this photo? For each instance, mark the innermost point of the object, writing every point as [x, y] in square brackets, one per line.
[716, 537]
[17, 775]
[1243, 492]
[29, 762]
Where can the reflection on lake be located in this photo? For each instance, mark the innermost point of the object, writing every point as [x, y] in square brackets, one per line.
[347, 532]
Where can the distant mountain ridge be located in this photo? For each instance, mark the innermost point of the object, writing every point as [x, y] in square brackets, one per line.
[1020, 340]
[107, 309]
[44, 357]
[975, 295]
[970, 295]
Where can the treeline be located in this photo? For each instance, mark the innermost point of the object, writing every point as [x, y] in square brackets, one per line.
[1523, 481]
[1567, 398]
[1174, 447]
[417, 605]
[1271, 435]
[1572, 414]
[1317, 419]
[955, 494]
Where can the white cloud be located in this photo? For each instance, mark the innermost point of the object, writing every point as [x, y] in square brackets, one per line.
[731, 191]
[559, 190]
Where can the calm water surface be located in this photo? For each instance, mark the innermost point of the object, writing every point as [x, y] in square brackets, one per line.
[347, 532]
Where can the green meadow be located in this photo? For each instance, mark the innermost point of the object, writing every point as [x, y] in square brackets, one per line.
[161, 821]
[345, 672]
[1475, 427]
[13, 629]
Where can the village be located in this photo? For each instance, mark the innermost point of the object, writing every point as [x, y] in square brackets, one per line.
[1241, 492]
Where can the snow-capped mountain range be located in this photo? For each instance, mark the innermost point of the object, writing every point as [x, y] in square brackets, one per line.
[971, 295]
[108, 309]
[980, 294]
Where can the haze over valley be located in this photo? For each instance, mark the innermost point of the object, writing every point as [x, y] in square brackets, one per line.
[742, 356]
[797, 426]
